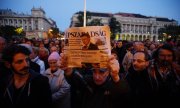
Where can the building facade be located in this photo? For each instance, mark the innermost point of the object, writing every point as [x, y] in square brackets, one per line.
[35, 25]
[134, 27]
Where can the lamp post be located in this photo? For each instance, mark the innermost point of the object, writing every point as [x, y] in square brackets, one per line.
[50, 33]
[84, 13]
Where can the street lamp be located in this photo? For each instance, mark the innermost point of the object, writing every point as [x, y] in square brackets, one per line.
[50, 30]
[84, 24]
[50, 33]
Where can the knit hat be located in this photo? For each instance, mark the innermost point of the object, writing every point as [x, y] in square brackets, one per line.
[54, 56]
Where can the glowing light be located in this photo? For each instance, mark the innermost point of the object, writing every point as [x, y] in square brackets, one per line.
[19, 30]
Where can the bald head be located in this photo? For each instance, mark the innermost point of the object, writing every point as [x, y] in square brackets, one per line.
[139, 46]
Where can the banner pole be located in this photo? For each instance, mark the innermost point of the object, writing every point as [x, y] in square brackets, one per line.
[84, 13]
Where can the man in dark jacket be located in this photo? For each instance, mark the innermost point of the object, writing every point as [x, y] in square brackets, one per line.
[102, 90]
[24, 87]
[164, 72]
[138, 79]
[34, 66]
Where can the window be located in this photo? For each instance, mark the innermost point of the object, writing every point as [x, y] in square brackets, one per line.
[20, 21]
[36, 21]
[5, 21]
[29, 21]
[36, 27]
[24, 21]
[30, 28]
[25, 27]
[10, 21]
[15, 21]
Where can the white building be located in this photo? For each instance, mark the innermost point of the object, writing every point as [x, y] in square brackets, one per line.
[35, 25]
[134, 27]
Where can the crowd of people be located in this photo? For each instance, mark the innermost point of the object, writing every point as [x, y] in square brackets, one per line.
[138, 74]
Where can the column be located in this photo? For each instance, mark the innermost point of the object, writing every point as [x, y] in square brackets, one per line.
[120, 36]
[156, 39]
[32, 26]
[122, 28]
[138, 29]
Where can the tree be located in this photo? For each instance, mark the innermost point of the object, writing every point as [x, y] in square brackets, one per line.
[115, 27]
[80, 18]
[53, 32]
[95, 22]
[9, 31]
[170, 31]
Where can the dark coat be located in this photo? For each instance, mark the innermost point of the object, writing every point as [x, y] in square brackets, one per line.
[139, 82]
[36, 92]
[167, 88]
[4, 71]
[141, 89]
[86, 94]
[34, 66]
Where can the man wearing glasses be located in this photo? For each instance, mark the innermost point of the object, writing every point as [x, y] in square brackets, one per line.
[138, 79]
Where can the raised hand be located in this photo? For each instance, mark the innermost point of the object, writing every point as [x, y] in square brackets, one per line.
[114, 68]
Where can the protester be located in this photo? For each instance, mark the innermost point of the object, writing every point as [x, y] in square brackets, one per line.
[127, 60]
[43, 55]
[138, 79]
[3, 69]
[104, 89]
[121, 52]
[59, 86]
[35, 58]
[138, 46]
[24, 87]
[2, 45]
[165, 75]
[34, 66]
[119, 48]
[53, 49]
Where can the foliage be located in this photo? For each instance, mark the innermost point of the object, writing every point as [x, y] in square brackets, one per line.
[54, 32]
[8, 32]
[80, 18]
[95, 22]
[170, 30]
[115, 27]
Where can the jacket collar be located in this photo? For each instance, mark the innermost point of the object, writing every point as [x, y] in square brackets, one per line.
[57, 73]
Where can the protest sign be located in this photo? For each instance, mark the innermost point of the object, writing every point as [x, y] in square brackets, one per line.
[87, 45]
